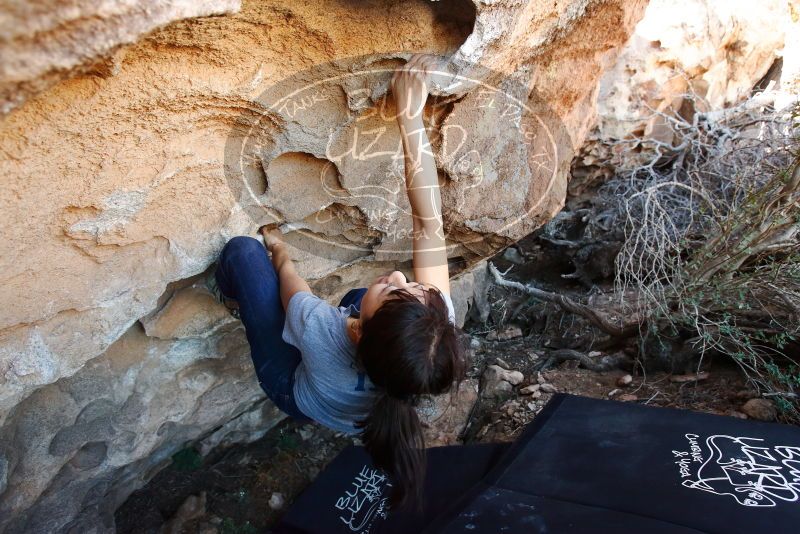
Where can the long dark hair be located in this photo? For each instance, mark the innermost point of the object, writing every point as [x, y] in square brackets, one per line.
[408, 348]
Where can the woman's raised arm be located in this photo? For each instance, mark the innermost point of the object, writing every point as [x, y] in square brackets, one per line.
[410, 90]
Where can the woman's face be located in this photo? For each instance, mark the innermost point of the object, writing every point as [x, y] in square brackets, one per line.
[382, 288]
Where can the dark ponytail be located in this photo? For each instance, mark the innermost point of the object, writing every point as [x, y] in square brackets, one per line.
[408, 348]
[393, 437]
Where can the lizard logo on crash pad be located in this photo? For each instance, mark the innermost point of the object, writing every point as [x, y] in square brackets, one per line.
[746, 469]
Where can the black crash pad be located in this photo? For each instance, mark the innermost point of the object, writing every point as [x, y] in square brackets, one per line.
[583, 465]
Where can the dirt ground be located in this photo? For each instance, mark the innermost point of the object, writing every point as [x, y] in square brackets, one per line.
[723, 392]
[237, 482]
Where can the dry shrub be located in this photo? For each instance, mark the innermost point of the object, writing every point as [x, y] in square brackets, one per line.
[712, 238]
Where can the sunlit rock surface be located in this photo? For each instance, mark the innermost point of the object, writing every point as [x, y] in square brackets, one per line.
[715, 50]
[42, 42]
[687, 56]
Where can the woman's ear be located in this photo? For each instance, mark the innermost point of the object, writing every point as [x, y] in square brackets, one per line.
[358, 330]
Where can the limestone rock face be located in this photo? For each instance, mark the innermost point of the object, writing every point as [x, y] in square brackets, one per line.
[78, 448]
[714, 49]
[717, 49]
[46, 41]
[126, 167]
[688, 55]
[790, 57]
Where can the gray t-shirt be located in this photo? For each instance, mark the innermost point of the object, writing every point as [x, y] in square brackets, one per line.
[328, 386]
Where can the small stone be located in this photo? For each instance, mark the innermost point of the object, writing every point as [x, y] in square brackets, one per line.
[531, 406]
[513, 255]
[685, 379]
[628, 397]
[305, 433]
[509, 332]
[595, 354]
[276, 501]
[737, 414]
[515, 378]
[547, 388]
[502, 363]
[474, 343]
[498, 381]
[624, 381]
[528, 390]
[511, 407]
[540, 379]
[760, 409]
[613, 392]
[500, 388]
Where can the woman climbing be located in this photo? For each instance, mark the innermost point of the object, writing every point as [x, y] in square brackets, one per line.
[359, 367]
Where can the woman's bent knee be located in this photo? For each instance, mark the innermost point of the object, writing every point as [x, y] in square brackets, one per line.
[242, 245]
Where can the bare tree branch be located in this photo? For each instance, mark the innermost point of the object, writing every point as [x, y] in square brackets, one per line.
[598, 319]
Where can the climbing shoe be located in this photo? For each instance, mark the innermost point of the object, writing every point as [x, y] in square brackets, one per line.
[213, 288]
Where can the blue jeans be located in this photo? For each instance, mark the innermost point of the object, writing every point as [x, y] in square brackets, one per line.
[245, 273]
